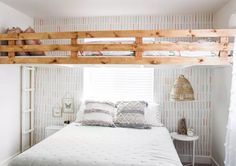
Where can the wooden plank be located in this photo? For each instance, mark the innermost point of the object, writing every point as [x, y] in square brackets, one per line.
[74, 43]
[78, 47]
[121, 47]
[129, 33]
[117, 60]
[225, 42]
[138, 41]
[12, 54]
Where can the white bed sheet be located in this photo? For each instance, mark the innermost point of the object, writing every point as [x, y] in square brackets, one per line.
[102, 146]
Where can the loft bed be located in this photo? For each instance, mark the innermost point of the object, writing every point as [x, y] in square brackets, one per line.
[218, 40]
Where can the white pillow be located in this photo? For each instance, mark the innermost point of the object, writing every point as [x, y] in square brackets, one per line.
[80, 113]
[153, 115]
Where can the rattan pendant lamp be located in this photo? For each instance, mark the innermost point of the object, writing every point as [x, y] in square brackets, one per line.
[182, 90]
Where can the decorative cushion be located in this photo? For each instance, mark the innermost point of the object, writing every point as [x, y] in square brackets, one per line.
[153, 115]
[98, 113]
[80, 113]
[33, 42]
[130, 114]
[18, 42]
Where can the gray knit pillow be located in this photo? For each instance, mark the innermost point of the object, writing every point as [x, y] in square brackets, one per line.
[130, 114]
[98, 113]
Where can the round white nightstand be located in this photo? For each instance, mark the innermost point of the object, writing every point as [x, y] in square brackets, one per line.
[185, 138]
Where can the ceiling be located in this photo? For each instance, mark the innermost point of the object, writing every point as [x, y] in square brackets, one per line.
[76, 8]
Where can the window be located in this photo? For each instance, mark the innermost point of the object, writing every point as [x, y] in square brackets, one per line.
[110, 83]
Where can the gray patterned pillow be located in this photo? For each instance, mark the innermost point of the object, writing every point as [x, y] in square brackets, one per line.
[98, 113]
[131, 114]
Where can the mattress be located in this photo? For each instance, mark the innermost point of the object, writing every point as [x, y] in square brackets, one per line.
[77, 145]
[153, 53]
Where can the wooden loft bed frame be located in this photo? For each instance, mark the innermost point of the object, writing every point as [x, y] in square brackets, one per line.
[224, 47]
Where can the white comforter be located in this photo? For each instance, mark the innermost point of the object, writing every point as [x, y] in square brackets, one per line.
[102, 146]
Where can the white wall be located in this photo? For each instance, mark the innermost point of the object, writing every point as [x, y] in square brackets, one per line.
[10, 17]
[221, 86]
[10, 111]
[10, 89]
[221, 17]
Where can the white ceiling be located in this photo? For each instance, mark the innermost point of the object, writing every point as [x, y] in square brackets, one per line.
[76, 8]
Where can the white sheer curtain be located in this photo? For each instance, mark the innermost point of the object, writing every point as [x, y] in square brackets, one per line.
[230, 145]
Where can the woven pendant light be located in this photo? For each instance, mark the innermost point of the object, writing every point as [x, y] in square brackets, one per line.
[182, 90]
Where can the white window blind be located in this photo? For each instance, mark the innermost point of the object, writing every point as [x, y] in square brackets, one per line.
[109, 83]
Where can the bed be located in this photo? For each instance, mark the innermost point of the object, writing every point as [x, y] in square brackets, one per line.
[77, 145]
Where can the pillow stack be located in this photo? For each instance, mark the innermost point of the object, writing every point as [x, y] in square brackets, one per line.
[33, 42]
[25, 42]
[18, 42]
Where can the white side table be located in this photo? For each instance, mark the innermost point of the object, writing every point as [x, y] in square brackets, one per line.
[50, 130]
[185, 138]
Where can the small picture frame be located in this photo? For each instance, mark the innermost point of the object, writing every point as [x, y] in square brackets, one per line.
[68, 105]
[56, 111]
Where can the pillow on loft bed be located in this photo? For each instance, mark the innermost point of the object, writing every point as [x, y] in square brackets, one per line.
[97, 113]
[33, 42]
[18, 42]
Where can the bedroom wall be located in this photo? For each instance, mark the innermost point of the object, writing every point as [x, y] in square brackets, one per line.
[10, 112]
[10, 89]
[197, 112]
[221, 17]
[221, 79]
[54, 83]
[10, 17]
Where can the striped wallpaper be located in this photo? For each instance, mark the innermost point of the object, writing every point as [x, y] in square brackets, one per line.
[197, 112]
[53, 83]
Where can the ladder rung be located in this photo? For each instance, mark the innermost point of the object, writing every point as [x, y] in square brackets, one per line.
[28, 111]
[29, 90]
[29, 68]
[28, 131]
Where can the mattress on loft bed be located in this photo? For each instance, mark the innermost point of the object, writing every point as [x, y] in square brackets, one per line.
[145, 53]
[153, 53]
[102, 146]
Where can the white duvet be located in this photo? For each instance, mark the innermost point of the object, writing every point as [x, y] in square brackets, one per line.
[102, 146]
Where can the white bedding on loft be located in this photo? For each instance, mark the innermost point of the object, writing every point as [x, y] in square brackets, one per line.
[102, 146]
[146, 53]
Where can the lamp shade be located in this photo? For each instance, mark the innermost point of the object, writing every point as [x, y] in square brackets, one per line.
[182, 90]
[232, 21]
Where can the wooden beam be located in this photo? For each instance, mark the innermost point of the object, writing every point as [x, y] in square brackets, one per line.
[138, 42]
[225, 42]
[117, 60]
[74, 43]
[129, 33]
[121, 47]
[11, 55]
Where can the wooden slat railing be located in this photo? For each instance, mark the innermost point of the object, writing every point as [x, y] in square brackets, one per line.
[224, 47]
